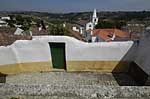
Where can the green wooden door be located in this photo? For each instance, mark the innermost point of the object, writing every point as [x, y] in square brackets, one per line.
[58, 55]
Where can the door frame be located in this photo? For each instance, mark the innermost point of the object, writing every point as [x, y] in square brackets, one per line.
[59, 44]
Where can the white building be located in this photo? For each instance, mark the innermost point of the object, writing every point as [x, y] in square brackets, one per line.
[95, 18]
[18, 31]
[5, 18]
[81, 30]
[93, 22]
[3, 23]
[89, 26]
[148, 28]
[86, 29]
[74, 28]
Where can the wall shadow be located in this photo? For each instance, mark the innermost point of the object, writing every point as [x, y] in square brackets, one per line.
[127, 72]
[138, 74]
[2, 78]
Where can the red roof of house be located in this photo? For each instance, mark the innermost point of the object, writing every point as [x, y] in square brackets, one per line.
[106, 34]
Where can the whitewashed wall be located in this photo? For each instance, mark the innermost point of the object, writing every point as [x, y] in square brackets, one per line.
[37, 50]
[7, 56]
[77, 50]
[24, 52]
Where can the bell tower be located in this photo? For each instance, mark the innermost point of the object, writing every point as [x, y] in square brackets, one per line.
[95, 18]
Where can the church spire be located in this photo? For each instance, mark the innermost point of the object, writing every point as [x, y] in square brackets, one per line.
[94, 14]
[95, 18]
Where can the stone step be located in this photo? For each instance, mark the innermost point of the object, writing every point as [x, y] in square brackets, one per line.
[73, 91]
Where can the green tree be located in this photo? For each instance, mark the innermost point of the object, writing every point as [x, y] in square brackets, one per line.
[58, 30]
[19, 20]
[11, 23]
[105, 24]
[110, 24]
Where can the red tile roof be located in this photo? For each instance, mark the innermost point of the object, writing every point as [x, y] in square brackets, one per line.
[106, 34]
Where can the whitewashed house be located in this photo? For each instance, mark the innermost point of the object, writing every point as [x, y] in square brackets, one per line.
[18, 31]
[88, 28]
[3, 23]
[5, 18]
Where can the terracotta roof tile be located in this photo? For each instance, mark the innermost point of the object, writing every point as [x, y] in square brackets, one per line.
[106, 34]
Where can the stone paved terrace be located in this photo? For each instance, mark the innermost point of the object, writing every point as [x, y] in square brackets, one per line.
[76, 78]
[76, 85]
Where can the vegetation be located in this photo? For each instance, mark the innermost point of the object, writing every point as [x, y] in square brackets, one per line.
[11, 23]
[110, 24]
[107, 19]
[25, 22]
[58, 30]
[55, 25]
[56, 21]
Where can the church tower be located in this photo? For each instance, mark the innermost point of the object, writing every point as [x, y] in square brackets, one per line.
[95, 18]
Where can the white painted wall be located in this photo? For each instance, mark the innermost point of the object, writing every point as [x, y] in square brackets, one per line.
[5, 18]
[75, 29]
[7, 56]
[18, 31]
[3, 23]
[37, 50]
[89, 26]
[32, 51]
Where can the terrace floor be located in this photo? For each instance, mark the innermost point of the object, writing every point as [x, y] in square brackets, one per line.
[71, 85]
[67, 78]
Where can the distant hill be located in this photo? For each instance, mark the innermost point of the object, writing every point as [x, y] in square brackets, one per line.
[58, 18]
[120, 15]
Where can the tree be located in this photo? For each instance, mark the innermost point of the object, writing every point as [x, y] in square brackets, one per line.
[19, 20]
[110, 24]
[11, 23]
[105, 24]
[58, 30]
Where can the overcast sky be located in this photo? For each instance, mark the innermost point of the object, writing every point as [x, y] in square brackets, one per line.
[74, 5]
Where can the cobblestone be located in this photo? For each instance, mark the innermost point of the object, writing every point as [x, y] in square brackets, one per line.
[56, 85]
[76, 78]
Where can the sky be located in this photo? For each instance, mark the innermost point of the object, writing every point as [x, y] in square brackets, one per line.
[64, 6]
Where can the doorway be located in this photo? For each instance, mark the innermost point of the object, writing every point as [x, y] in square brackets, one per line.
[58, 55]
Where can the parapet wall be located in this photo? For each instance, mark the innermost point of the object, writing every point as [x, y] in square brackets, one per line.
[35, 55]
